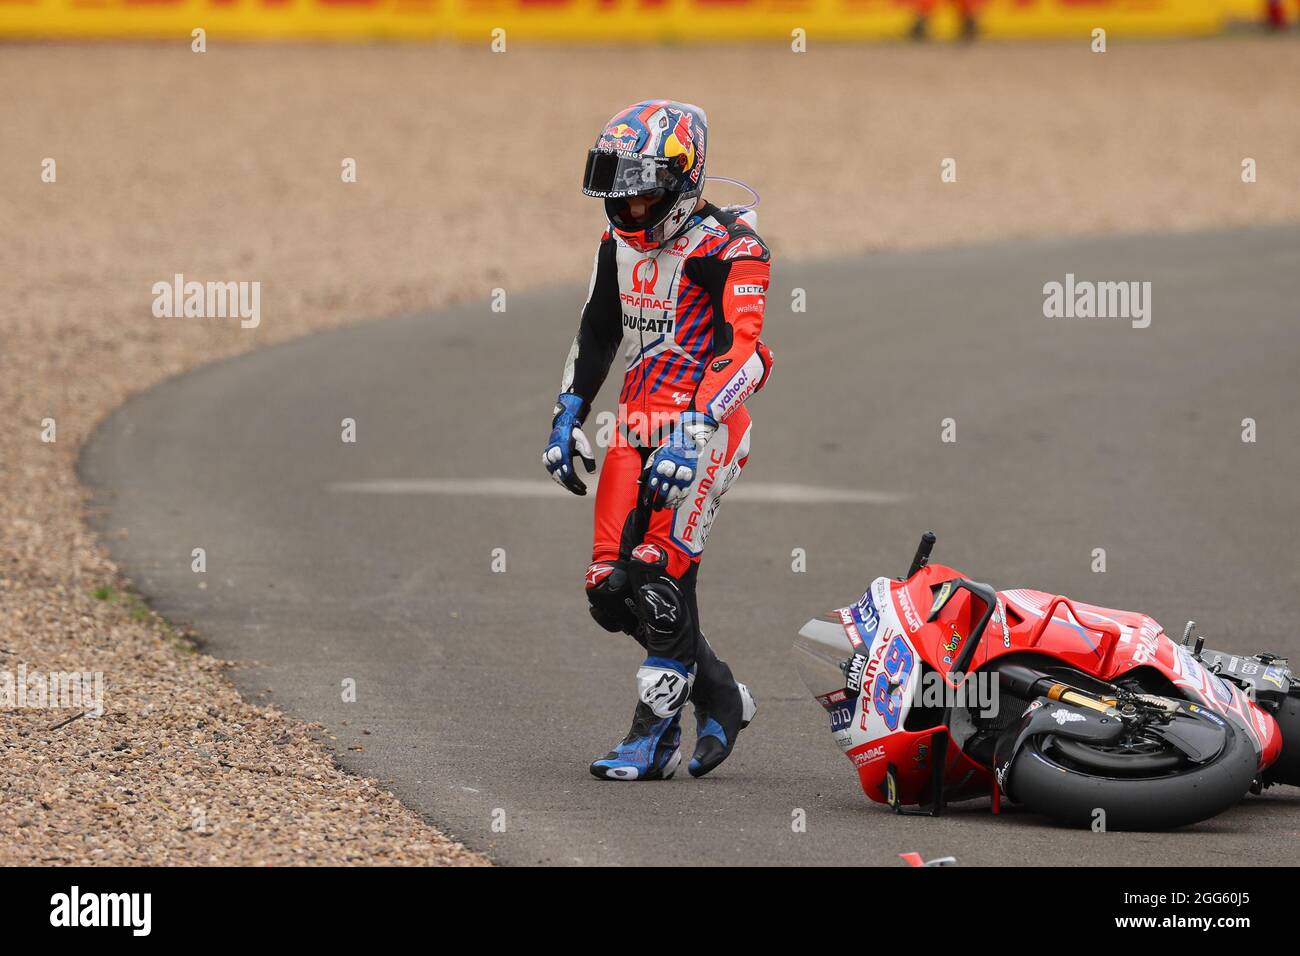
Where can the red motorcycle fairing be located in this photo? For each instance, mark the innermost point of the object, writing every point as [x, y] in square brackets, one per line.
[869, 700]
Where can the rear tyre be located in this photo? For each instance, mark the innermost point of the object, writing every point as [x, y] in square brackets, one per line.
[1046, 779]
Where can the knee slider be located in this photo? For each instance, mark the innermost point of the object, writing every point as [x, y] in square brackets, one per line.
[609, 596]
[661, 605]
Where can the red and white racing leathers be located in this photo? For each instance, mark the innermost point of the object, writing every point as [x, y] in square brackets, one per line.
[688, 316]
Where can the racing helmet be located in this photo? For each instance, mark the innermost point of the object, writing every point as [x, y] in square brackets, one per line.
[653, 149]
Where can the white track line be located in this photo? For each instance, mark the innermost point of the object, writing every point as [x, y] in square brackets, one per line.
[775, 493]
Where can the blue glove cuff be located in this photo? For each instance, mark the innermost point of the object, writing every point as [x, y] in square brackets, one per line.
[570, 406]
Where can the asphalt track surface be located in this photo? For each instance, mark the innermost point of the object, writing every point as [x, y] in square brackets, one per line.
[482, 696]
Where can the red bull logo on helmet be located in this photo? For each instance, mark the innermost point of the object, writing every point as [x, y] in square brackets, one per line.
[619, 136]
[681, 142]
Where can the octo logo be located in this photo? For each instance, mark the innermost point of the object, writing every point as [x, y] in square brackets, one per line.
[645, 274]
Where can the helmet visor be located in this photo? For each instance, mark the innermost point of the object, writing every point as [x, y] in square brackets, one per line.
[612, 175]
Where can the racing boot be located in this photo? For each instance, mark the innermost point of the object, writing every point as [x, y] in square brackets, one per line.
[723, 708]
[650, 751]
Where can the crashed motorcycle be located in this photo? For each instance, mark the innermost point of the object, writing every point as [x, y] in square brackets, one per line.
[939, 689]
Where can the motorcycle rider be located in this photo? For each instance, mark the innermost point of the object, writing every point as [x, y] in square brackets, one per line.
[682, 285]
